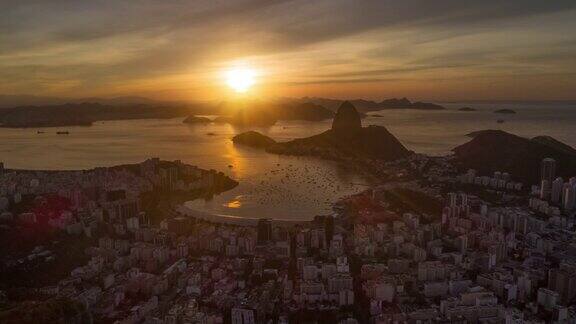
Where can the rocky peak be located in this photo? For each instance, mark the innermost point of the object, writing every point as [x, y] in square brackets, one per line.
[347, 118]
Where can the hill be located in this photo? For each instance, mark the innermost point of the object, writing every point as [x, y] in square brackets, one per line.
[496, 150]
[11, 101]
[346, 139]
[265, 113]
[192, 119]
[84, 114]
[253, 139]
[363, 105]
[504, 111]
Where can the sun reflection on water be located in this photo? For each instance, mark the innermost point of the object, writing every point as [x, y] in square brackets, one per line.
[234, 203]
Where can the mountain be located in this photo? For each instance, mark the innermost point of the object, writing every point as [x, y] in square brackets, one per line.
[84, 114]
[504, 111]
[253, 139]
[367, 105]
[279, 109]
[347, 119]
[556, 144]
[250, 117]
[519, 102]
[396, 103]
[11, 101]
[196, 120]
[261, 113]
[496, 150]
[345, 140]
[302, 111]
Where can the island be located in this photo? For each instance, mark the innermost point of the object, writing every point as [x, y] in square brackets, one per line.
[253, 139]
[504, 111]
[404, 103]
[363, 105]
[192, 119]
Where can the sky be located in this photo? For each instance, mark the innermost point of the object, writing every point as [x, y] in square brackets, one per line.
[181, 49]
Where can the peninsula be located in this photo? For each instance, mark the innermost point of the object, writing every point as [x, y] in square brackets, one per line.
[347, 139]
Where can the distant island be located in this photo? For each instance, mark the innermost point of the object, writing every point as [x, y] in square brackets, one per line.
[504, 111]
[252, 113]
[196, 120]
[346, 139]
[56, 112]
[84, 114]
[404, 103]
[253, 139]
[368, 105]
[467, 109]
[267, 113]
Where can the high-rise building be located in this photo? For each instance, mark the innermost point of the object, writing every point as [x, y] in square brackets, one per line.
[329, 228]
[452, 199]
[563, 281]
[548, 171]
[264, 230]
[544, 189]
[569, 200]
[1, 167]
[242, 316]
[556, 192]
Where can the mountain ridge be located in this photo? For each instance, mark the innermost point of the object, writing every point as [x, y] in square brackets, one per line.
[497, 150]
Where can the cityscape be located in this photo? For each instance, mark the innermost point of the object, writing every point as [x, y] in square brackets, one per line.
[430, 244]
[248, 162]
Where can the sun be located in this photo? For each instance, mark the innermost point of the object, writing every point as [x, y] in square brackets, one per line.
[240, 79]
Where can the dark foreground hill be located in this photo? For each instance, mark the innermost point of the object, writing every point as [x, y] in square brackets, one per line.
[496, 150]
[346, 139]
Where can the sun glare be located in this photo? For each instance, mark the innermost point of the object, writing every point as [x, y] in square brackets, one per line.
[240, 79]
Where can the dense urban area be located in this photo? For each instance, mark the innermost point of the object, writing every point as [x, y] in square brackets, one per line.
[430, 244]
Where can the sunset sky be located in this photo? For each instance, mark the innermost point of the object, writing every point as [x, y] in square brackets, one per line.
[435, 50]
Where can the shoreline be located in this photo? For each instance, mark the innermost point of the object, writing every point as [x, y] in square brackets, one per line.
[235, 220]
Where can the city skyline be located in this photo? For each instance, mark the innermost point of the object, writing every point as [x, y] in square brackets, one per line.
[287, 161]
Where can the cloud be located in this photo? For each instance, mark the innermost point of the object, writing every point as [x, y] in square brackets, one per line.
[100, 43]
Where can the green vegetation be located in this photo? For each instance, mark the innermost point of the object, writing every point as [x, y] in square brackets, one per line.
[407, 200]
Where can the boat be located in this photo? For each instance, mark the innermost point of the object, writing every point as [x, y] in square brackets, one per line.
[500, 121]
[39, 132]
[63, 132]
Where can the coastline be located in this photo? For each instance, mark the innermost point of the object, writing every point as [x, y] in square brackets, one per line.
[235, 220]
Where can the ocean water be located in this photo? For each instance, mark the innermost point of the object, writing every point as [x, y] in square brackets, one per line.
[274, 186]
